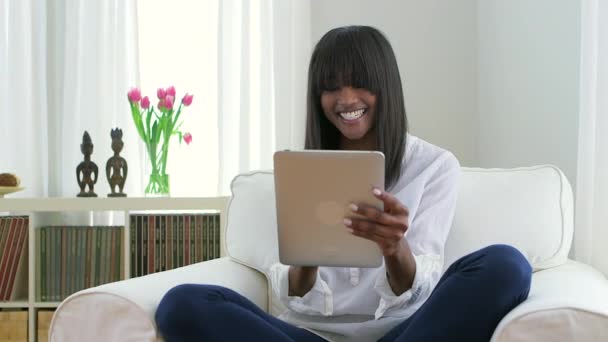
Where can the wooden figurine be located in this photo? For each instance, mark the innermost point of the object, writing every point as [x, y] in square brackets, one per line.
[116, 167]
[86, 172]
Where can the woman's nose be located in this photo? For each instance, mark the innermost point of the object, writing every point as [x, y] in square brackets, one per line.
[347, 95]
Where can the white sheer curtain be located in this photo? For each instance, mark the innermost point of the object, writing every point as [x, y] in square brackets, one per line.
[264, 47]
[23, 97]
[591, 233]
[66, 67]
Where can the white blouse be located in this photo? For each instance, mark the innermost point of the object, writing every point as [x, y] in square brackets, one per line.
[358, 304]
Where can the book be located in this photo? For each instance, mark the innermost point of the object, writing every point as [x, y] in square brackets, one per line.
[41, 276]
[132, 244]
[16, 264]
[205, 238]
[175, 238]
[48, 263]
[186, 249]
[145, 246]
[9, 248]
[4, 231]
[151, 244]
[163, 245]
[113, 252]
[119, 260]
[17, 285]
[217, 236]
[64, 248]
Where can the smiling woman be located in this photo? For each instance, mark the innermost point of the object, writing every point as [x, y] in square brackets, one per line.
[348, 69]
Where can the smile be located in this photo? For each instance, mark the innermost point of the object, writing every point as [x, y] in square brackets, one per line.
[353, 115]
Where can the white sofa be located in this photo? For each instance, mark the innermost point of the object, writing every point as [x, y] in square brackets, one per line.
[529, 208]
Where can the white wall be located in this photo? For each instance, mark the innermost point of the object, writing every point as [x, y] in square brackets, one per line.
[528, 83]
[435, 43]
[494, 81]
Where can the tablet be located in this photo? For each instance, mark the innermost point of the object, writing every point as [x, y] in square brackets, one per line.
[313, 190]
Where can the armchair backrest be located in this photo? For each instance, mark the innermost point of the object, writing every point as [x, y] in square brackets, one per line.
[530, 208]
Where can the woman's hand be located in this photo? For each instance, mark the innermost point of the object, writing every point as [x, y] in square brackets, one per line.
[386, 228]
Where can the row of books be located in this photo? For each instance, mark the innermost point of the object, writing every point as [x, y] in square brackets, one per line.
[13, 257]
[162, 242]
[72, 258]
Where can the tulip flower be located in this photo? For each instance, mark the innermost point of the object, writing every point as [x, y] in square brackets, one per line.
[187, 99]
[188, 138]
[161, 93]
[145, 102]
[134, 95]
[171, 91]
[169, 102]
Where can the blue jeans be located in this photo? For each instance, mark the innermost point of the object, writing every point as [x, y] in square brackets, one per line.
[473, 295]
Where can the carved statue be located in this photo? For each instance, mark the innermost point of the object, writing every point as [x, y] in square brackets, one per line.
[87, 168]
[116, 167]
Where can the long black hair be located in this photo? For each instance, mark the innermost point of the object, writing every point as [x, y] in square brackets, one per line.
[361, 57]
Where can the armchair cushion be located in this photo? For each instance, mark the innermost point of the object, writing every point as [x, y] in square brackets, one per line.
[529, 208]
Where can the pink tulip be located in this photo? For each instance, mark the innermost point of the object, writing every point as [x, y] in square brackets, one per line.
[188, 138]
[171, 91]
[187, 99]
[134, 95]
[145, 102]
[161, 104]
[169, 102]
[161, 93]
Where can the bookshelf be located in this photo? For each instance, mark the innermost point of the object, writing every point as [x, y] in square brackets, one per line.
[51, 211]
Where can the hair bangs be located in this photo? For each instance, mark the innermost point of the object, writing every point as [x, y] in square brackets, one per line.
[341, 61]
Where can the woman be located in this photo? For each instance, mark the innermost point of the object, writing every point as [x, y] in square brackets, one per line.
[355, 102]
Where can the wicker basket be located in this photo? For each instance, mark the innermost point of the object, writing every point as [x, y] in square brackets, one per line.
[44, 322]
[13, 326]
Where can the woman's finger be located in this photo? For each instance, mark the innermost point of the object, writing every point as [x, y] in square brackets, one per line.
[391, 203]
[368, 228]
[379, 216]
[386, 245]
[367, 234]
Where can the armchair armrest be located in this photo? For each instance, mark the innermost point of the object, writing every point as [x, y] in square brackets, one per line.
[566, 303]
[124, 310]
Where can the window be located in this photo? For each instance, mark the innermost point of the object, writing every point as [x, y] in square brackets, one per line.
[178, 44]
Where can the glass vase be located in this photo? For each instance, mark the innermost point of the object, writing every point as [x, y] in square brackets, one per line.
[158, 185]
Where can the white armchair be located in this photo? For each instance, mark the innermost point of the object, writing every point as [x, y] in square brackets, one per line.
[529, 208]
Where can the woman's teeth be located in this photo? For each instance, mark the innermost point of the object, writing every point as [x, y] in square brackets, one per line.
[354, 115]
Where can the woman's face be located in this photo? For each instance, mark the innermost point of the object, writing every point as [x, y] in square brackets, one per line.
[351, 110]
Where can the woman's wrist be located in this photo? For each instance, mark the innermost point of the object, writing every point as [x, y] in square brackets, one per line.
[400, 269]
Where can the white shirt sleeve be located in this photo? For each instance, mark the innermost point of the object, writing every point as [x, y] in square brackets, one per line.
[318, 301]
[409, 301]
[426, 237]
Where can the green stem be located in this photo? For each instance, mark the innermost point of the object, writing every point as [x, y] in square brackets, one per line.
[165, 153]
